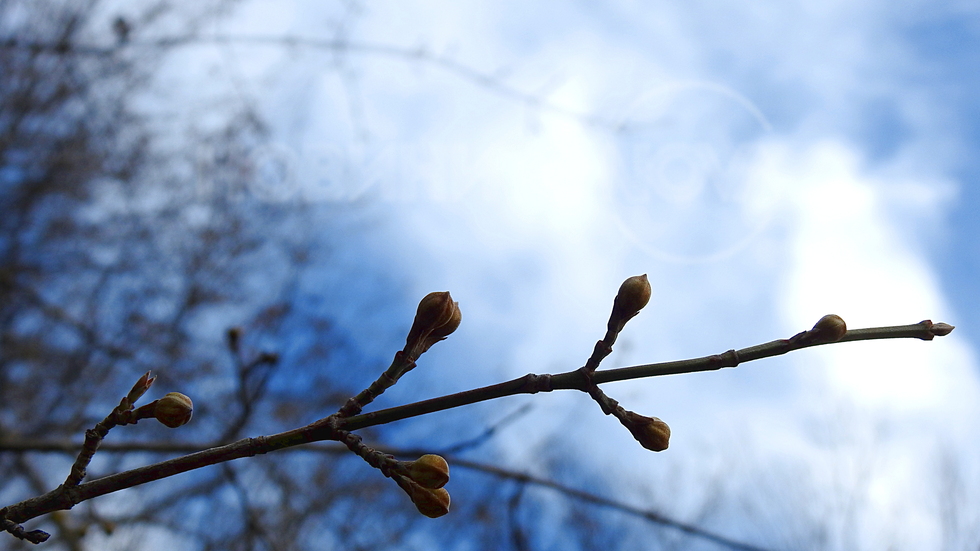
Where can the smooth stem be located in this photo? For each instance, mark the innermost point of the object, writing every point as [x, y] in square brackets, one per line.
[575, 380]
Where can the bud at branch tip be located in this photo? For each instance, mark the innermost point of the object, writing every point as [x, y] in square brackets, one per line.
[437, 317]
[633, 295]
[431, 503]
[652, 433]
[429, 471]
[174, 409]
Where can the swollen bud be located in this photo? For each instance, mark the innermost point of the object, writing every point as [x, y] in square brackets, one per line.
[451, 325]
[431, 503]
[435, 310]
[429, 471]
[633, 295]
[652, 433]
[436, 318]
[174, 409]
[830, 328]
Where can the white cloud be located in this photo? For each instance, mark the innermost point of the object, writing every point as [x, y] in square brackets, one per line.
[849, 258]
[752, 234]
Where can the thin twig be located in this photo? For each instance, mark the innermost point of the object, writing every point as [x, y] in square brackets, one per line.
[327, 428]
[575, 380]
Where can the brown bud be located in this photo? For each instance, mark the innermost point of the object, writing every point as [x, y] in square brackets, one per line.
[174, 409]
[633, 295]
[140, 388]
[431, 503]
[429, 471]
[436, 318]
[435, 310]
[830, 328]
[447, 328]
[652, 433]
[941, 329]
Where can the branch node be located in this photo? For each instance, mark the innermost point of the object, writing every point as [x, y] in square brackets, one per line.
[729, 358]
[539, 383]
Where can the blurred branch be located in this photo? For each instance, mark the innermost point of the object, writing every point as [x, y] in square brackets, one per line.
[488, 432]
[517, 535]
[485, 80]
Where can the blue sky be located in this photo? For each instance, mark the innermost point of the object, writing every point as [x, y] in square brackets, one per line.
[764, 163]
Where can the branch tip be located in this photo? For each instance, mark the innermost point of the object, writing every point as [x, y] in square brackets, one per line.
[436, 318]
[173, 410]
[139, 389]
[942, 329]
[16, 530]
[652, 433]
[633, 295]
[429, 471]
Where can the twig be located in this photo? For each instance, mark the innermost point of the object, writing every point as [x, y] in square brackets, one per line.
[121, 415]
[575, 380]
[66, 498]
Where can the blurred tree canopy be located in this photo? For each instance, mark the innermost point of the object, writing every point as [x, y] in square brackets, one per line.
[124, 249]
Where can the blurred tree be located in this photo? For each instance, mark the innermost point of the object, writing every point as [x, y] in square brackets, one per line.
[122, 252]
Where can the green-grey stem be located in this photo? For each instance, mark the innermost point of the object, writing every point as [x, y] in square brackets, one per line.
[575, 380]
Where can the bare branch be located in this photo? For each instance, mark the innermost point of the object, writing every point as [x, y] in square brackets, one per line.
[330, 428]
[575, 380]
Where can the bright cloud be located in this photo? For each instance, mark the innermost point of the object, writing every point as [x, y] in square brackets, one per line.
[737, 181]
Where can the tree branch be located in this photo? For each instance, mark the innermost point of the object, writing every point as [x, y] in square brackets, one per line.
[327, 428]
[575, 380]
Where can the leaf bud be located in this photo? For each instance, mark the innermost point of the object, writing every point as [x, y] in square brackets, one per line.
[435, 310]
[830, 328]
[436, 318]
[451, 325]
[140, 388]
[429, 471]
[652, 433]
[941, 329]
[633, 295]
[432, 503]
[174, 409]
